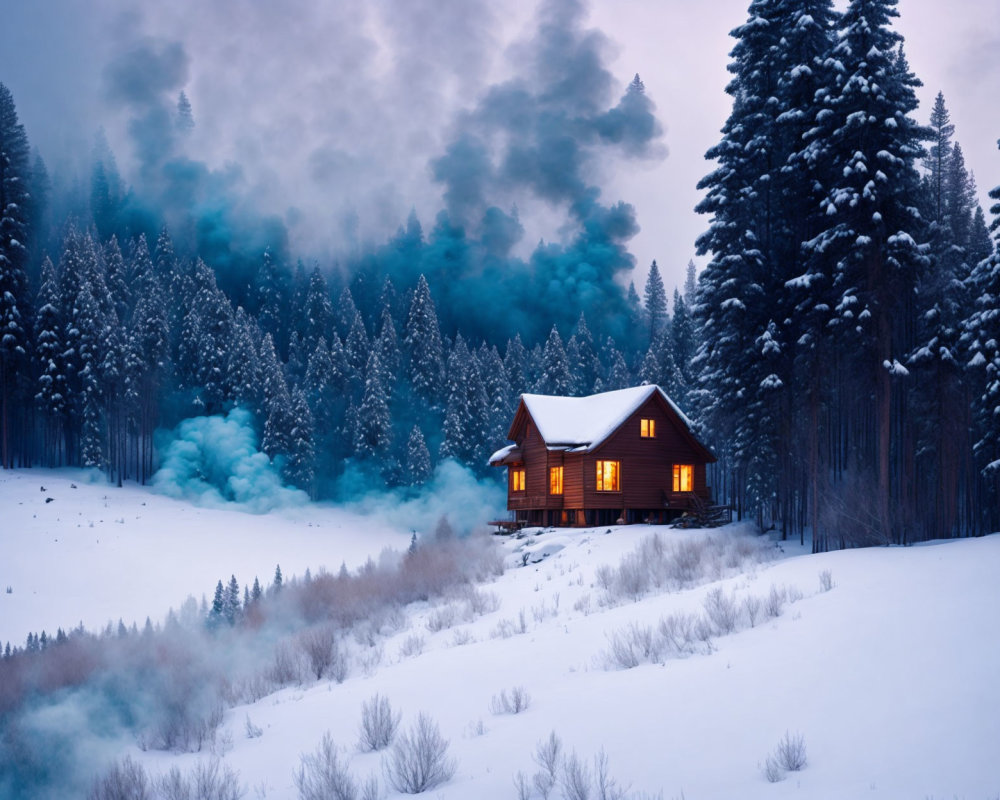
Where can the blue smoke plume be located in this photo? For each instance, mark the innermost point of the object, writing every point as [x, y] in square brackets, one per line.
[214, 461]
[453, 492]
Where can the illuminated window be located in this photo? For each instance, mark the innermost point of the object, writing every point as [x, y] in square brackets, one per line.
[683, 478]
[647, 428]
[555, 480]
[517, 480]
[609, 476]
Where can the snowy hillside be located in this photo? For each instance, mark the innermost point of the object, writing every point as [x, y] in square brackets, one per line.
[883, 660]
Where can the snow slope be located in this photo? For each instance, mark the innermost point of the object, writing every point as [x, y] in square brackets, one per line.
[97, 553]
[890, 676]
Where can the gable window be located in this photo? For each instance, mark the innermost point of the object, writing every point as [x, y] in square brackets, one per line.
[517, 480]
[683, 477]
[647, 428]
[555, 480]
[609, 476]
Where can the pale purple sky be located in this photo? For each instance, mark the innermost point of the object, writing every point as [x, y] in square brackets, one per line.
[339, 106]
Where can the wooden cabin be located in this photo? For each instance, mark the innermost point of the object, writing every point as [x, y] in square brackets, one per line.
[626, 455]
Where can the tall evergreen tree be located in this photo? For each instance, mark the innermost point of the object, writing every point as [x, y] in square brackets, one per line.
[373, 432]
[418, 458]
[14, 238]
[424, 347]
[49, 351]
[300, 469]
[555, 377]
[655, 302]
[869, 246]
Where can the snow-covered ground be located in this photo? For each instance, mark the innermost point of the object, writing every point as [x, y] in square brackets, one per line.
[96, 553]
[890, 676]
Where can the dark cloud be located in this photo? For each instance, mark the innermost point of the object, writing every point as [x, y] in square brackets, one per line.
[142, 75]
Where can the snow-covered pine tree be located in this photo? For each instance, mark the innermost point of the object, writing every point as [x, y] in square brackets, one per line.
[869, 144]
[387, 345]
[619, 376]
[690, 283]
[298, 358]
[373, 431]
[585, 366]
[514, 364]
[938, 397]
[300, 468]
[317, 311]
[357, 349]
[212, 336]
[147, 355]
[555, 377]
[982, 355]
[655, 302]
[424, 347]
[418, 458]
[465, 415]
[752, 199]
[231, 601]
[14, 302]
[50, 395]
[271, 300]
[217, 613]
[346, 313]
[242, 384]
[116, 280]
[279, 419]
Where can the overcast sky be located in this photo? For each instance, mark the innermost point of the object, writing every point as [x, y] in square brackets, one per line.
[334, 110]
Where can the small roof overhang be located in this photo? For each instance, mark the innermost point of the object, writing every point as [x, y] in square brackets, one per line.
[506, 456]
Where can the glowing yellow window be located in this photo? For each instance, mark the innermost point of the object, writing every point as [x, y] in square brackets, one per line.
[683, 477]
[517, 480]
[609, 476]
[647, 428]
[555, 480]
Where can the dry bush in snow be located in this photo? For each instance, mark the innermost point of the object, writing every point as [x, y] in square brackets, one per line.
[788, 756]
[775, 602]
[442, 618]
[320, 648]
[287, 667]
[125, 780]
[412, 646]
[632, 646]
[772, 771]
[548, 757]
[752, 608]
[378, 724]
[657, 564]
[515, 702]
[825, 580]
[791, 752]
[252, 731]
[419, 759]
[575, 779]
[322, 776]
[721, 610]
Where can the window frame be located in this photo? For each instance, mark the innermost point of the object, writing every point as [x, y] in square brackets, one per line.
[600, 475]
[515, 473]
[553, 471]
[647, 424]
[679, 473]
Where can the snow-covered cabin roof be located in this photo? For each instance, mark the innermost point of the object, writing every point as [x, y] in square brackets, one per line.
[581, 424]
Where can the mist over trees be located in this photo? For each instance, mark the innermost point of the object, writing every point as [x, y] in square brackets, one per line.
[839, 350]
